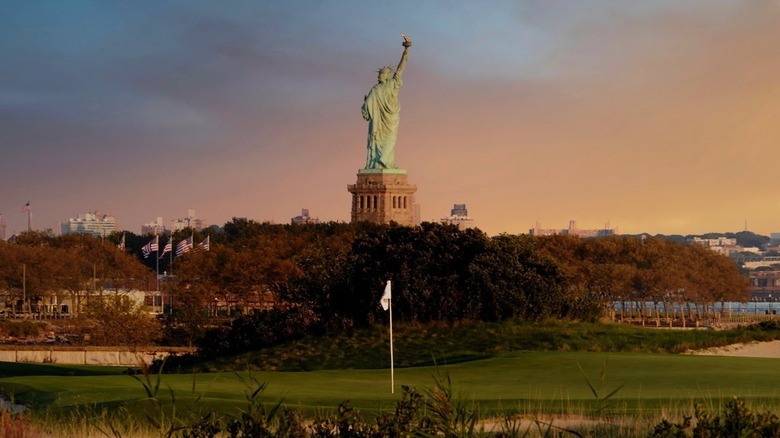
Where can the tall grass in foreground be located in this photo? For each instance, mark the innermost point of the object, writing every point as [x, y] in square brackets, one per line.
[439, 410]
[349, 422]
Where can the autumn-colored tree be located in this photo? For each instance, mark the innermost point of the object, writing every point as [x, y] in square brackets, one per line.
[118, 320]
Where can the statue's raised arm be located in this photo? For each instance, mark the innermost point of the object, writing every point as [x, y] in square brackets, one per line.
[404, 56]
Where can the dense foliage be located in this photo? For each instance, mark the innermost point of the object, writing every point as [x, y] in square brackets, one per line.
[39, 269]
[336, 275]
[641, 271]
[261, 284]
[440, 273]
[118, 320]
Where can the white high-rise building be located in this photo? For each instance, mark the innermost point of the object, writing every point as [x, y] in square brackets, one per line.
[155, 228]
[190, 222]
[305, 218]
[2, 227]
[92, 223]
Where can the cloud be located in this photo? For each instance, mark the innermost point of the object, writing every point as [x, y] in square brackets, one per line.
[650, 116]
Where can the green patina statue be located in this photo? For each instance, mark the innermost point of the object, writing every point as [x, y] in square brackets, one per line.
[381, 109]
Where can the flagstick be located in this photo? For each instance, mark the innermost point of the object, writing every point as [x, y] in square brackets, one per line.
[392, 371]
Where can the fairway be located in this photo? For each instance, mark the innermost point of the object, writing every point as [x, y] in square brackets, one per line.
[518, 382]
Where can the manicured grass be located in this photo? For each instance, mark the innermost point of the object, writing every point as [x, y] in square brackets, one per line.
[523, 382]
[11, 369]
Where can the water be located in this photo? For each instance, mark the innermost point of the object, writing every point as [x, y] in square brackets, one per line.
[14, 408]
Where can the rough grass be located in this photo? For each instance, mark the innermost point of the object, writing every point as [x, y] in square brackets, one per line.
[422, 345]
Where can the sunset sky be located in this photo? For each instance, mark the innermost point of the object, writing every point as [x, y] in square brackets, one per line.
[650, 116]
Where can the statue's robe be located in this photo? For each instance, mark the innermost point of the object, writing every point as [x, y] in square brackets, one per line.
[382, 110]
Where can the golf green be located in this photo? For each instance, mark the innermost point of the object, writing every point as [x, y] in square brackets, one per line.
[513, 381]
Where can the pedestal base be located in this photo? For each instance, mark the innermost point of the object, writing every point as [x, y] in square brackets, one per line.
[383, 196]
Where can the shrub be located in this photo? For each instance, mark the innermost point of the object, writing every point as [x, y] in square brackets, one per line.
[737, 421]
[22, 329]
[261, 329]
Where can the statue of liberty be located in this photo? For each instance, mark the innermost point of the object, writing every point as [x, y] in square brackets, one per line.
[381, 109]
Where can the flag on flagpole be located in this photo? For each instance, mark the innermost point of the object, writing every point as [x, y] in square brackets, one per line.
[121, 244]
[26, 208]
[151, 247]
[184, 246]
[385, 300]
[168, 248]
[204, 245]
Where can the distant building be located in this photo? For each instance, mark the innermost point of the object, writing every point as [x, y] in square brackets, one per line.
[770, 249]
[459, 210]
[765, 285]
[459, 216]
[92, 223]
[2, 227]
[718, 241]
[191, 221]
[537, 230]
[416, 214]
[304, 218]
[155, 228]
[722, 245]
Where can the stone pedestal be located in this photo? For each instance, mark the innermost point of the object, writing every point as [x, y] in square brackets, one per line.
[382, 196]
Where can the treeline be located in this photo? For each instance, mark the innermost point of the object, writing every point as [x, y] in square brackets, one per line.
[438, 273]
[328, 277]
[39, 269]
[647, 276]
[331, 276]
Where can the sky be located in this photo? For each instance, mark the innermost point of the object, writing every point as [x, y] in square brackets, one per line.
[656, 116]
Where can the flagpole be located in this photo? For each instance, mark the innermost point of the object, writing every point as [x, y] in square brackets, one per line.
[387, 304]
[392, 371]
[162, 298]
[157, 257]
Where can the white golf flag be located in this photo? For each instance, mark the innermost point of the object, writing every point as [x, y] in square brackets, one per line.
[385, 301]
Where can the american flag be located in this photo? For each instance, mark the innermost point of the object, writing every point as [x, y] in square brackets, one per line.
[168, 248]
[151, 247]
[26, 208]
[184, 246]
[205, 244]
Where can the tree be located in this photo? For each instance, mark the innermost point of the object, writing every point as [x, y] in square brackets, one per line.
[323, 262]
[118, 320]
[194, 288]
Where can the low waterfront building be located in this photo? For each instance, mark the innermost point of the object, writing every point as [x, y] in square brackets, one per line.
[537, 230]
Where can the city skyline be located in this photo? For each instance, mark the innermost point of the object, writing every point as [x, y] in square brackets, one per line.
[655, 117]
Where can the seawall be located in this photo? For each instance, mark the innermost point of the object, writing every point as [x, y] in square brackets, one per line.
[105, 356]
